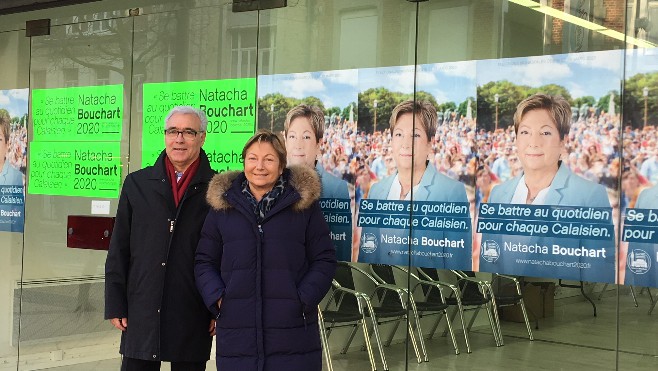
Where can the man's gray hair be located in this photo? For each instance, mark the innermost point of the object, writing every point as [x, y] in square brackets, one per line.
[185, 110]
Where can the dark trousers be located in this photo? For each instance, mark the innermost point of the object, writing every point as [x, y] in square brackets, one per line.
[132, 364]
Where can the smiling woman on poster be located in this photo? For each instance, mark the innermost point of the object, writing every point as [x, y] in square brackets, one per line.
[436, 242]
[304, 130]
[541, 123]
[428, 183]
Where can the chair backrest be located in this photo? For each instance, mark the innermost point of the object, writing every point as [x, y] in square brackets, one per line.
[385, 272]
[432, 295]
[430, 272]
[344, 278]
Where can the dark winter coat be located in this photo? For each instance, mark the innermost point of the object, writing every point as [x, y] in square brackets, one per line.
[271, 276]
[149, 272]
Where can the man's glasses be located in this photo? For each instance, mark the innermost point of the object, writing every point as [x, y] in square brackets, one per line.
[188, 134]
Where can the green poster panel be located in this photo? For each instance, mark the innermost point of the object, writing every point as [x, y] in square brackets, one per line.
[86, 113]
[229, 105]
[75, 169]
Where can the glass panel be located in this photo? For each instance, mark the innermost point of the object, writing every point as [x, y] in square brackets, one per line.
[79, 137]
[13, 130]
[638, 261]
[330, 73]
[204, 57]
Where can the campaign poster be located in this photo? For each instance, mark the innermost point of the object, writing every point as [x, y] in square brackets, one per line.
[229, 106]
[415, 172]
[13, 155]
[86, 169]
[550, 202]
[75, 150]
[81, 113]
[316, 115]
[638, 250]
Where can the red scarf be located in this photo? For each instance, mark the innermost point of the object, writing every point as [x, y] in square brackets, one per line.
[179, 187]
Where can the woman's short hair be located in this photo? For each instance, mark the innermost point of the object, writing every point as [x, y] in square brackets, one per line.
[189, 110]
[556, 106]
[265, 135]
[423, 110]
[313, 113]
[4, 127]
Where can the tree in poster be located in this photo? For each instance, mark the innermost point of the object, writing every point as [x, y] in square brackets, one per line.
[553, 89]
[386, 101]
[633, 99]
[509, 94]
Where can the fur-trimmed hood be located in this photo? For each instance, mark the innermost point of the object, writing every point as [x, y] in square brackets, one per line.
[303, 179]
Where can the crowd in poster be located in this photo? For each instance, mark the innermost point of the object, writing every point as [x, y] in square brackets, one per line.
[228, 104]
[13, 154]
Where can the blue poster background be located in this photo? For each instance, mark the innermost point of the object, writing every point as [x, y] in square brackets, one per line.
[641, 233]
[574, 243]
[338, 215]
[12, 208]
[436, 234]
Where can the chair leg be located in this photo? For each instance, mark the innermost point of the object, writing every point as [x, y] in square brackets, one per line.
[495, 314]
[421, 339]
[413, 339]
[525, 316]
[366, 337]
[435, 326]
[325, 341]
[452, 333]
[392, 333]
[475, 314]
[634, 298]
[460, 310]
[602, 291]
[653, 302]
[375, 329]
[349, 339]
[492, 322]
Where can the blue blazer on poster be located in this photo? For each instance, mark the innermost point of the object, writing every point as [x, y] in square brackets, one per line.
[567, 189]
[332, 187]
[648, 199]
[10, 176]
[433, 186]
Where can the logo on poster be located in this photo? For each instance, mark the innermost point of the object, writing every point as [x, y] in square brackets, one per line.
[368, 243]
[490, 251]
[638, 261]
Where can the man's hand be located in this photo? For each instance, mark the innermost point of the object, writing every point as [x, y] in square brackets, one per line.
[212, 329]
[120, 323]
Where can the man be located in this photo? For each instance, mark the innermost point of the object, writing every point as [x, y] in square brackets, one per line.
[8, 174]
[150, 293]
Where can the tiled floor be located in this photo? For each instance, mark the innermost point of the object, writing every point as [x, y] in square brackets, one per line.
[571, 340]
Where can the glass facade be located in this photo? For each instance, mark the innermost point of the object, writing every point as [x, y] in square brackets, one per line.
[437, 195]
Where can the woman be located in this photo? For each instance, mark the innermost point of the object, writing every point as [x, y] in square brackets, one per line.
[413, 125]
[541, 123]
[304, 129]
[411, 144]
[265, 261]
